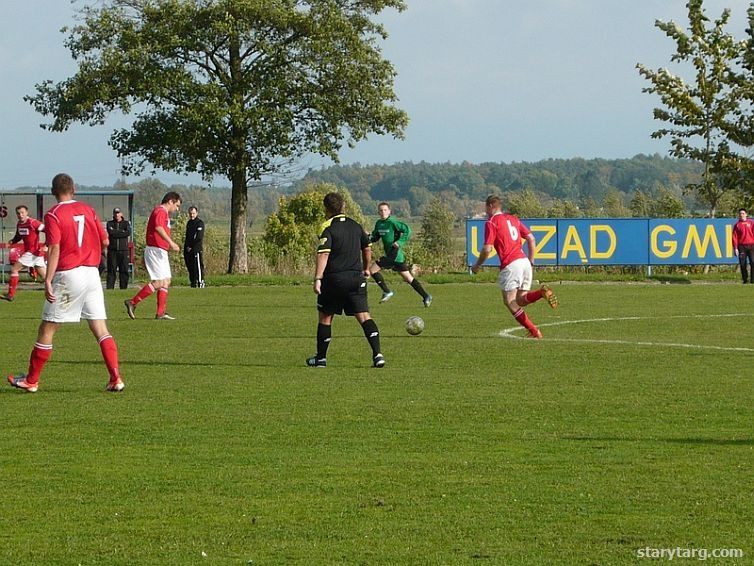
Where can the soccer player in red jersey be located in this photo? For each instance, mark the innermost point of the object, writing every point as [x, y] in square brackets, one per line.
[27, 231]
[156, 257]
[743, 244]
[75, 240]
[504, 232]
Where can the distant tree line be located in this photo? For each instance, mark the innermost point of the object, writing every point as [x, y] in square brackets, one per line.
[645, 185]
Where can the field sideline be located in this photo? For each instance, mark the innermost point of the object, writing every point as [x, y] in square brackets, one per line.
[632, 428]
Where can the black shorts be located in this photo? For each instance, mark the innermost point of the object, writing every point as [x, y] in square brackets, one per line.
[343, 292]
[386, 262]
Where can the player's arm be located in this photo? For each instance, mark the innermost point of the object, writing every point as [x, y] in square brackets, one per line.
[16, 238]
[483, 255]
[403, 232]
[323, 255]
[165, 236]
[199, 234]
[53, 257]
[375, 236]
[532, 244]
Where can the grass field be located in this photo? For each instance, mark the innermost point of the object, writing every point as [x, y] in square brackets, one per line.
[630, 429]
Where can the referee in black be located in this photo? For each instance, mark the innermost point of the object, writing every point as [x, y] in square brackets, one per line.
[340, 280]
[118, 232]
[193, 246]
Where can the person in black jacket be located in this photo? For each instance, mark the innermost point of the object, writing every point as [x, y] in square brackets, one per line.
[118, 230]
[192, 247]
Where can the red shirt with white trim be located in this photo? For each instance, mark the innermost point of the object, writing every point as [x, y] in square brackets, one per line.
[158, 217]
[743, 233]
[504, 232]
[79, 232]
[28, 232]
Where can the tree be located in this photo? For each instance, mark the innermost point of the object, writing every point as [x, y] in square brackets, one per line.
[641, 204]
[294, 228]
[701, 115]
[525, 204]
[668, 205]
[232, 88]
[614, 206]
[436, 236]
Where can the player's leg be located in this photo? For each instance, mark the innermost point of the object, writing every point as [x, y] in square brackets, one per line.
[112, 267]
[376, 272]
[162, 299]
[742, 255]
[750, 256]
[372, 334]
[200, 269]
[109, 350]
[526, 297]
[328, 305]
[15, 271]
[39, 356]
[416, 285]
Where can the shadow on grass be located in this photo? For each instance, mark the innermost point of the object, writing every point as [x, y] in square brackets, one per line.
[673, 279]
[699, 441]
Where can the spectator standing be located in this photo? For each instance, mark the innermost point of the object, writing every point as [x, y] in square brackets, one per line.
[743, 244]
[73, 290]
[119, 231]
[193, 248]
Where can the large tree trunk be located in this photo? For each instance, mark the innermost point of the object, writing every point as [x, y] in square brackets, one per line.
[239, 262]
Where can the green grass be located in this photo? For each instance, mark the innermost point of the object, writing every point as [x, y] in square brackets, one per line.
[466, 448]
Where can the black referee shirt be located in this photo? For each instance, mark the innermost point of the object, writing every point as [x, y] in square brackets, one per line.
[344, 239]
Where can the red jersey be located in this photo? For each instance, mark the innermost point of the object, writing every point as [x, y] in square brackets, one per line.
[743, 233]
[77, 229]
[28, 232]
[159, 217]
[504, 232]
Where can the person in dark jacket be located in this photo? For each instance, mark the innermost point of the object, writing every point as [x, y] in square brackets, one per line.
[119, 231]
[192, 247]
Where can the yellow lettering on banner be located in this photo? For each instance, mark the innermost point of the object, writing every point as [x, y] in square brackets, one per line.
[710, 236]
[669, 247]
[593, 230]
[572, 243]
[729, 240]
[549, 232]
[475, 249]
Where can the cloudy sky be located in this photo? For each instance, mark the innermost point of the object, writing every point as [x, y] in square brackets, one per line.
[482, 80]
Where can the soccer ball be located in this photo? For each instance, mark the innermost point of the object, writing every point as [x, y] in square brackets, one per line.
[414, 325]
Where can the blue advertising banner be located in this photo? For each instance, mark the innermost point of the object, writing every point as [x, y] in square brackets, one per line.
[619, 241]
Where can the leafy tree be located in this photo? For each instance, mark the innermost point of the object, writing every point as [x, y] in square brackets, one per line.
[563, 209]
[668, 205]
[436, 236]
[641, 204]
[614, 206]
[701, 114]
[292, 231]
[525, 204]
[232, 88]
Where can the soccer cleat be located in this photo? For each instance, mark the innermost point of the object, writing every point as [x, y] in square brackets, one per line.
[130, 309]
[19, 381]
[164, 316]
[536, 333]
[115, 387]
[7, 297]
[548, 294]
[378, 361]
[315, 362]
[427, 301]
[386, 296]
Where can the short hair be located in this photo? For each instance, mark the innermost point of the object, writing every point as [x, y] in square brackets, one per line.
[383, 203]
[172, 195]
[494, 201]
[192, 207]
[20, 206]
[334, 203]
[741, 210]
[62, 184]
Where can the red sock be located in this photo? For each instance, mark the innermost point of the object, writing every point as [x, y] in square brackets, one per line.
[524, 321]
[533, 296]
[12, 284]
[143, 293]
[39, 356]
[162, 300]
[110, 354]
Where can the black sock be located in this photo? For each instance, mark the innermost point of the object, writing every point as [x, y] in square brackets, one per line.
[373, 335]
[418, 288]
[380, 280]
[324, 335]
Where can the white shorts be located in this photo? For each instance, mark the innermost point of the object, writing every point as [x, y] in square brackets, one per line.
[30, 260]
[157, 263]
[516, 275]
[78, 294]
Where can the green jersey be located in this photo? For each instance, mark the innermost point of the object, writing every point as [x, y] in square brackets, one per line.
[390, 231]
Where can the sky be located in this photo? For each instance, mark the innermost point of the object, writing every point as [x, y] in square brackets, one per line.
[481, 81]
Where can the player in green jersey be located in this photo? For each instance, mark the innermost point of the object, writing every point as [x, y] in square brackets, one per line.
[394, 235]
